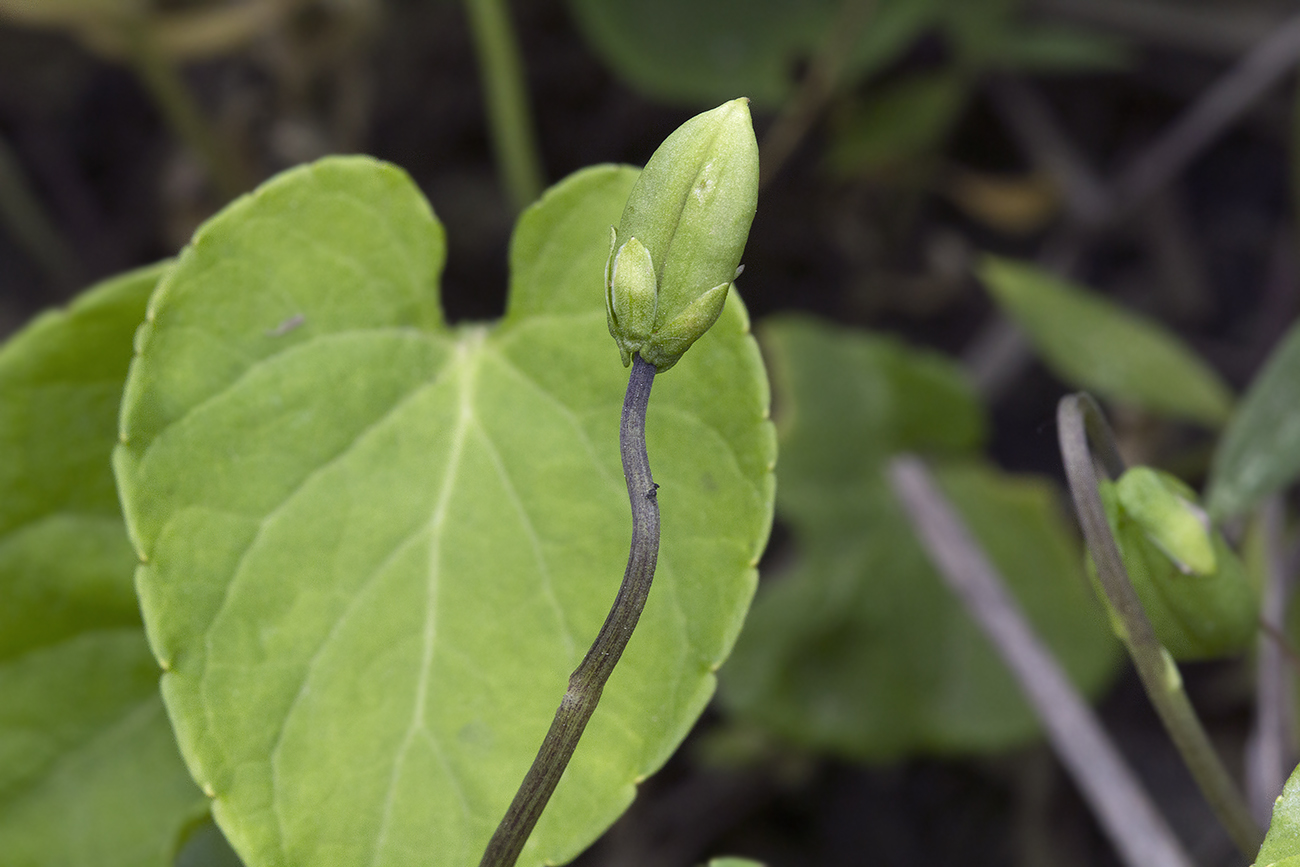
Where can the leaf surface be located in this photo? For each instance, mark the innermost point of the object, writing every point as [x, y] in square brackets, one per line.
[1094, 344]
[89, 771]
[376, 545]
[859, 649]
[1282, 842]
[1259, 452]
[704, 53]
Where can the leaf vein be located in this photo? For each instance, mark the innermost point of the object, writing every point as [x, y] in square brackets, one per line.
[437, 520]
[583, 438]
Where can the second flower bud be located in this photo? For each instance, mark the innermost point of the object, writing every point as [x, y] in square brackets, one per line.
[631, 295]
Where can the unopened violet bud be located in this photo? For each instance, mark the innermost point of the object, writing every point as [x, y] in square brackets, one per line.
[691, 210]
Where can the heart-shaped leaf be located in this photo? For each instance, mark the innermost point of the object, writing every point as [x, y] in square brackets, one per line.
[859, 648]
[89, 771]
[376, 545]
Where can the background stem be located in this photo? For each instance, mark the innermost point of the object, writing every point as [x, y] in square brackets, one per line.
[24, 215]
[1128, 817]
[511, 122]
[825, 73]
[181, 113]
[589, 678]
[1270, 756]
[1082, 428]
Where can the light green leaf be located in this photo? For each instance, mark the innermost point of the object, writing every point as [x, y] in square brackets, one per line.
[1282, 842]
[734, 862]
[377, 545]
[1259, 452]
[1289, 861]
[696, 53]
[860, 649]
[89, 772]
[1094, 344]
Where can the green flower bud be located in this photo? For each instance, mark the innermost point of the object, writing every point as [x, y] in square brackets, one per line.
[691, 209]
[630, 296]
[1193, 586]
[1166, 510]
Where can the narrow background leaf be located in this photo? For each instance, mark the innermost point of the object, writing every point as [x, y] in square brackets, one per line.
[1093, 344]
[1259, 453]
[859, 649]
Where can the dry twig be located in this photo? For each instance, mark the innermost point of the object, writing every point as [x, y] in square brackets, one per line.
[1137, 830]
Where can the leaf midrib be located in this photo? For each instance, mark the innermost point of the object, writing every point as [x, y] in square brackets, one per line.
[466, 367]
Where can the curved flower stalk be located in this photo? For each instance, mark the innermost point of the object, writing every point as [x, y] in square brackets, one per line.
[671, 262]
[1086, 442]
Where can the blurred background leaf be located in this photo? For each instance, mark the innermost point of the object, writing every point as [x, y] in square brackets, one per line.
[1096, 345]
[702, 53]
[858, 648]
[1259, 452]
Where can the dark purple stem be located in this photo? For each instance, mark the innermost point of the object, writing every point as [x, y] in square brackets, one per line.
[589, 678]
